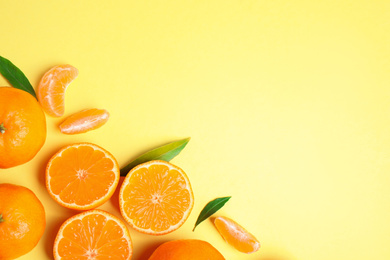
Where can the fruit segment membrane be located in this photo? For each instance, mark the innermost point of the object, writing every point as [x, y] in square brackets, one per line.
[52, 87]
[84, 121]
[236, 235]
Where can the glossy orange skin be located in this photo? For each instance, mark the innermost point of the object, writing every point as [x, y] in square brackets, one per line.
[25, 127]
[182, 249]
[23, 221]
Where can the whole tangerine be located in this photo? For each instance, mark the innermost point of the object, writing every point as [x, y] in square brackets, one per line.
[181, 249]
[22, 221]
[22, 127]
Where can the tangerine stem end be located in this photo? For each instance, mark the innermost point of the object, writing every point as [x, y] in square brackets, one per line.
[2, 128]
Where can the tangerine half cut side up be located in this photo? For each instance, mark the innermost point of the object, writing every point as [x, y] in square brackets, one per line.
[93, 234]
[82, 176]
[52, 87]
[156, 197]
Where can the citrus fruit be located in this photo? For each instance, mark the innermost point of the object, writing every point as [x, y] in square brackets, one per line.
[93, 235]
[156, 197]
[22, 221]
[186, 249]
[84, 121]
[52, 87]
[22, 127]
[236, 235]
[82, 176]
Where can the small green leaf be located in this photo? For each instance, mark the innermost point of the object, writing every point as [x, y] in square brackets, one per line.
[211, 207]
[15, 76]
[166, 153]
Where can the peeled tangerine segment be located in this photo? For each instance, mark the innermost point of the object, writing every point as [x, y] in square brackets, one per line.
[236, 235]
[51, 88]
[84, 121]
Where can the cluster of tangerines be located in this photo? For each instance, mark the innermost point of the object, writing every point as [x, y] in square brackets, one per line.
[155, 197]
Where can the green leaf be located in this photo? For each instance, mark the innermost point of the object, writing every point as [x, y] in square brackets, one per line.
[15, 76]
[166, 153]
[211, 207]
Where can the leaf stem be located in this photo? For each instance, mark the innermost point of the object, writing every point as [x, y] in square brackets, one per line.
[1, 218]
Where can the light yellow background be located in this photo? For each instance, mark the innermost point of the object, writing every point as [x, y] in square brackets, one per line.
[286, 102]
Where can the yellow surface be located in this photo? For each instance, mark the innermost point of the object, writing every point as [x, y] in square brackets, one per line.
[286, 102]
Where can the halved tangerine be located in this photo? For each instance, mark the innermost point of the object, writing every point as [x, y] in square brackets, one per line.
[51, 89]
[156, 197]
[82, 176]
[93, 234]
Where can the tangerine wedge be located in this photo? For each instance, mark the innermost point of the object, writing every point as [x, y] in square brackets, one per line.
[84, 121]
[93, 234]
[236, 235]
[52, 87]
[82, 176]
[156, 197]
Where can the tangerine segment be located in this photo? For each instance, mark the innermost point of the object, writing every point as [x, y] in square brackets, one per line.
[236, 235]
[84, 121]
[156, 197]
[52, 87]
[82, 176]
[94, 234]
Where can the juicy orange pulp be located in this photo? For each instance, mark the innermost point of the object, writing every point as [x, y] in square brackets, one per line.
[93, 234]
[156, 197]
[82, 176]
